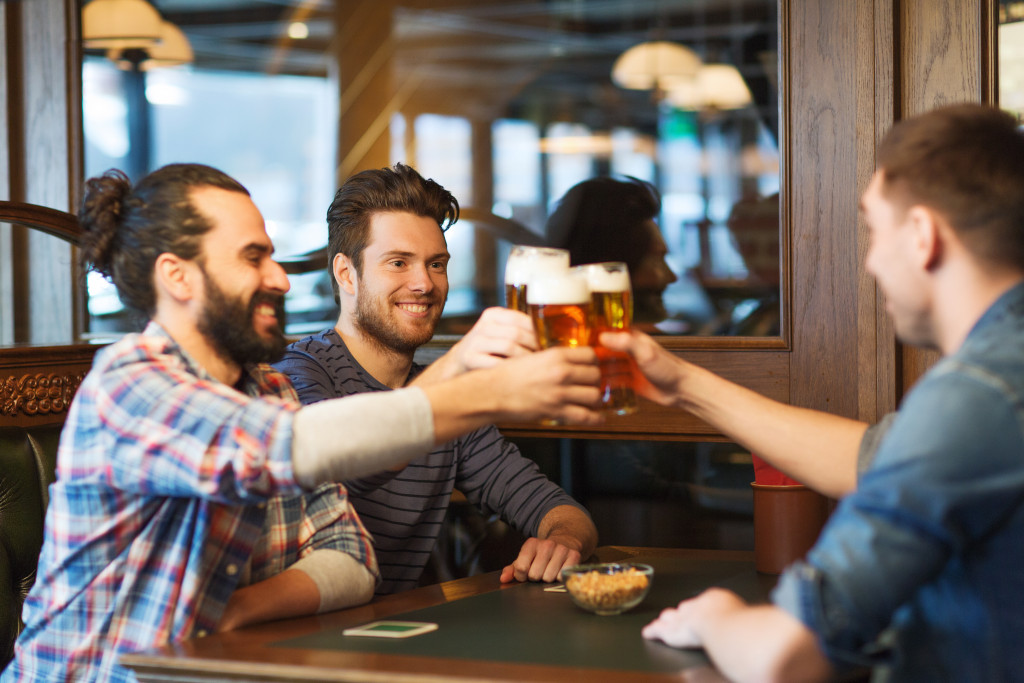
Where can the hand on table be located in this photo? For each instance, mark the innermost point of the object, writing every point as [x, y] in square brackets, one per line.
[540, 561]
[677, 626]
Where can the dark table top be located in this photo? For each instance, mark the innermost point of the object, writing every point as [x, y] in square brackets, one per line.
[486, 631]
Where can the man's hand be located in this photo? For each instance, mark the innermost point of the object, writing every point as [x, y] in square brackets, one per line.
[557, 383]
[677, 626]
[660, 371]
[745, 642]
[498, 334]
[540, 561]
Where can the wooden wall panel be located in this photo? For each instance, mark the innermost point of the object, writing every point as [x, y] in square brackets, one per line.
[944, 58]
[831, 133]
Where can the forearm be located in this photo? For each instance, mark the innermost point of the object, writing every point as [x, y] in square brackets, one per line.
[322, 581]
[359, 435]
[569, 526]
[761, 643]
[816, 448]
[289, 594]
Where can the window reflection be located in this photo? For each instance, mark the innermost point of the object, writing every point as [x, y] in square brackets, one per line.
[508, 105]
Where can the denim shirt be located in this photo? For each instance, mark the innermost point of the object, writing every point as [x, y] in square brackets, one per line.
[920, 572]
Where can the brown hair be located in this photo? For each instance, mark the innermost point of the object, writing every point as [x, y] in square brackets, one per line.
[965, 162]
[396, 188]
[126, 228]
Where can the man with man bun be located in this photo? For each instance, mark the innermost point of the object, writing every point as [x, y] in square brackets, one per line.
[193, 491]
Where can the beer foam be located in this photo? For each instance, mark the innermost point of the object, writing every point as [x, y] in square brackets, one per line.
[522, 268]
[601, 280]
[557, 288]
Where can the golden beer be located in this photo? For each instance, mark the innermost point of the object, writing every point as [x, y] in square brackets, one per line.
[561, 324]
[612, 311]
[525, 262]
[559, 305]
[515, 297]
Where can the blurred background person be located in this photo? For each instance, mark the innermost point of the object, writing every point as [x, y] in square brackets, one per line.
[610, 219]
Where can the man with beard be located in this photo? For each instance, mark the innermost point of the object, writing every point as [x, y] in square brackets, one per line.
[192, 490]
[919, 572]
[389, 260]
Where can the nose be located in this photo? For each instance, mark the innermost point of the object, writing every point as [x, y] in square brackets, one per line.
[275, 278]
[668, 276]
[420, 280]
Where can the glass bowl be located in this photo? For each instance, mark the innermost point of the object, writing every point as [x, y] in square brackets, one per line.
[609, 588]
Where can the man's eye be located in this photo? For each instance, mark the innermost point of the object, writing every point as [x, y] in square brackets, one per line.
[439, 265]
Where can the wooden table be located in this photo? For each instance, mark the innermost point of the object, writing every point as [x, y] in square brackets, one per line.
[487, 632]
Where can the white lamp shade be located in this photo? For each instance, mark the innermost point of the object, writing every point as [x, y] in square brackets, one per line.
[172, 50]
[121, 24]
[652, 65]
[717, 86]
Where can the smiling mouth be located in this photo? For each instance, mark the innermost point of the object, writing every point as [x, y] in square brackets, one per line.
[267, 310]
[414, 308]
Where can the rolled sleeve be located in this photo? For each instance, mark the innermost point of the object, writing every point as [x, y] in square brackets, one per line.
[945, 475]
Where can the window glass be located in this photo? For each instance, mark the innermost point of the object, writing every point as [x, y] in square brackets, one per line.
[1011, 57]
[509, 105]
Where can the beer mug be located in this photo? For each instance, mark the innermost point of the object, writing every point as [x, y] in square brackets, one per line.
[611, 310]
[523, 263]
[559, 305]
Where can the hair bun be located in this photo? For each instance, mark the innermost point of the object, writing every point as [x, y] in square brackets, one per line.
[101, 216]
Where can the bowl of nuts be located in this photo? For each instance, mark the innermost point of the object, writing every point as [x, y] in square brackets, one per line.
[609, 588]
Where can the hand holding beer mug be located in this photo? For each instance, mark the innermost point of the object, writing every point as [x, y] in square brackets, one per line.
[559, 305]
[523, 263]
[611, 301]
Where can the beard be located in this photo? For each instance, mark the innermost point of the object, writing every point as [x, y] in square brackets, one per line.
[227, 324]
[377, 322]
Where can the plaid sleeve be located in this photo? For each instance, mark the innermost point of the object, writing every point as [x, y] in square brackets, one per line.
[334, 525]
[179, 434]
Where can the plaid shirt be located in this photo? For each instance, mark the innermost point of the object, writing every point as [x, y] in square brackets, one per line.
[172, 490]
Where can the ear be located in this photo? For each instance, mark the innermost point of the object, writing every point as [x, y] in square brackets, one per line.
[175, 277]
[344, 272]
[928, 236]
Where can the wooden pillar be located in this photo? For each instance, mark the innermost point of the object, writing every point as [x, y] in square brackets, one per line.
[368, 94]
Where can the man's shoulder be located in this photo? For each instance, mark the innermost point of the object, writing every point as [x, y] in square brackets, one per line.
[315, 345]
[131, 349]
[321, 366]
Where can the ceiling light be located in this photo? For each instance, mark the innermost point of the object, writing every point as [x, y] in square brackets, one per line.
[717, 86]
[655, 65]
[172, 50]
[298, 30]
[123, 24]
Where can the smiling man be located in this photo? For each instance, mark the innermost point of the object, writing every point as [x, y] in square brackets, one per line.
[919, 572]
[389, 263]
[193, 491]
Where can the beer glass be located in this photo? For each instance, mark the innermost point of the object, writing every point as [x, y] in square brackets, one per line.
[525, 261]
[611, 310]
[559, 305]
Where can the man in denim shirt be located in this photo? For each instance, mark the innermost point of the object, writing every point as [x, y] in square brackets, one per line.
[919, 573]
